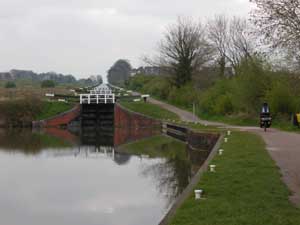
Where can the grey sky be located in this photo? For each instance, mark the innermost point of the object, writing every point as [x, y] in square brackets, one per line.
[85, 37]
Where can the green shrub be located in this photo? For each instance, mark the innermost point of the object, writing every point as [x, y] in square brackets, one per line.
[281, 99]
[224, 105]
[10, 84]
[158, 86]
[218, 99]
[184, 96]
[20, 112]
[251, 85]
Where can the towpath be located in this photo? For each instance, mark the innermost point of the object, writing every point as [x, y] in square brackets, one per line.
[284, 147]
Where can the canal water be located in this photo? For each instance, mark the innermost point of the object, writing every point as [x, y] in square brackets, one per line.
[57, 177]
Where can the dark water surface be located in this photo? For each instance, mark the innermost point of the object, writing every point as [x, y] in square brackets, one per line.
[46, 180]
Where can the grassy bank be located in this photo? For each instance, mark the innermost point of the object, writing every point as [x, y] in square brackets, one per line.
[50, 109]
[21, 112]
[149, 109]
[246, 189]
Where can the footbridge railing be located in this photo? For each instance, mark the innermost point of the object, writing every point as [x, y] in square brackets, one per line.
[97, 99]
[101, 94]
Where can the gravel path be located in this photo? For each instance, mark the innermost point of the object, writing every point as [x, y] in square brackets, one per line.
[284, 147]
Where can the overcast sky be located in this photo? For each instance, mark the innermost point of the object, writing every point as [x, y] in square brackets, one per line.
[85, 37]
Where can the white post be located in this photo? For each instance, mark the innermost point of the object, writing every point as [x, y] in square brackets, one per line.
[80, 99]
[212, 168]
[89, 99]
[105, 98]
[198, 194]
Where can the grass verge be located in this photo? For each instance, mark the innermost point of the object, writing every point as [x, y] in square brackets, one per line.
[245, 190]
[50, 109]
[149, 109]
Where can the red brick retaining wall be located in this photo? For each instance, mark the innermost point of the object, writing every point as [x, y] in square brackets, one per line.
[126, 118]
[131, 126]
[59, 120]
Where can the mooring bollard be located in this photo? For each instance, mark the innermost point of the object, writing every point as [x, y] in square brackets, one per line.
[225, 140]
[229, 133]
[212, 168]
[221, 151]
[198, 194]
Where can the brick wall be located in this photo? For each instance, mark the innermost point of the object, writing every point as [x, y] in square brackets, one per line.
[126, 118]
[131, 126]
[59, 120]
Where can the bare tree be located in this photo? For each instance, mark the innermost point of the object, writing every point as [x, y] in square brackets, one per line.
[184, 50]
[218, 34]
[232, 39]
[279, 22]
[241, 45]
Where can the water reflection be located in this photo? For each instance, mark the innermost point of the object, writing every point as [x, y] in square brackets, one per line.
[171, 177]
[61, 177]
[29, 142]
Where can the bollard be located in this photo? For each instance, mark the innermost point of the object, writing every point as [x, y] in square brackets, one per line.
[225, 140]
[198, 194]
[229, 133]
[221, 151]
[212, 168]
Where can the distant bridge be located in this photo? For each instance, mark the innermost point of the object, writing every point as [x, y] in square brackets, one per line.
[101, 94]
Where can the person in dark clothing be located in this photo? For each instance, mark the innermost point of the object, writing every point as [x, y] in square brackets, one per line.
[265, 116]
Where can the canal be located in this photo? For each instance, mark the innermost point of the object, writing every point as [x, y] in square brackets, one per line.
[58, 177]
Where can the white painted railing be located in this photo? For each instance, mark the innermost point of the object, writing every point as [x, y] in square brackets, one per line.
[97, 98]
[105, 92]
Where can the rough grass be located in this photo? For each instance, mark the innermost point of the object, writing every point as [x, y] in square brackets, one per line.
[50, 109]
[22, 92]
[149, 109]
[278, 123]
[240, 120]
[245, 190]
[286, 126]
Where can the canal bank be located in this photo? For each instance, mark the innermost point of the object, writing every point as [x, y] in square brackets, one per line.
[19, 113]
[246, 189]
